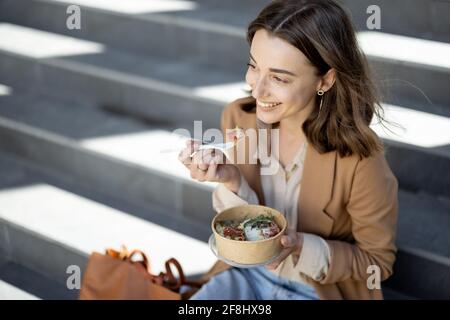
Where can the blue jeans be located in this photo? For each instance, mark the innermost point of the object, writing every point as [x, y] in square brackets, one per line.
[253, 284]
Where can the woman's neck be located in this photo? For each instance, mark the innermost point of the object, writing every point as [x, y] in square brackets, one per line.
[291, 128]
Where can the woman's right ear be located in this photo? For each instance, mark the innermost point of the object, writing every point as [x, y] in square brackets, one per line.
[327, 80]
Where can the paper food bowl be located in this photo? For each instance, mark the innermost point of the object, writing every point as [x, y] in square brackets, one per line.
[249, 252]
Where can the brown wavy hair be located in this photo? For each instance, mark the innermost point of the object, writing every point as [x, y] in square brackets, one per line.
[323, 32]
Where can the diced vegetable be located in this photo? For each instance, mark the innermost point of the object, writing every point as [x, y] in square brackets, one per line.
[258, 228]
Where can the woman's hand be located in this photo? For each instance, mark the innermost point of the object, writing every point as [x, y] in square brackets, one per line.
[209, 165]
[292, 243]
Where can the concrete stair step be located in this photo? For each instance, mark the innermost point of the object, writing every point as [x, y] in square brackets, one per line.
[67, 227]
[415, 128]
[15, 169]
[21, 283]
[423, 261]
[390, 294]
[10, 292]
[423, 221]
[197, 23]
[422, 268]
[177, 91]
[410, 71]
[421, 274]
[422, 19]
[417, 142]
[206, 32]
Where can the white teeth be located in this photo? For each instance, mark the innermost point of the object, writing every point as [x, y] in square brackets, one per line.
[268, 105]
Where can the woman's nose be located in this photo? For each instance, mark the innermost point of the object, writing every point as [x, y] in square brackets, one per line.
[260, 89]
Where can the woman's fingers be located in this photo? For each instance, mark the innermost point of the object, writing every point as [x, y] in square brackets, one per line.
[211, 174]
[197, 167]
[204, 164]
[283, 255]
[219, 157]
[185, 154]
[290, 243]
[208, 169]
[287, 241]
[202, 159]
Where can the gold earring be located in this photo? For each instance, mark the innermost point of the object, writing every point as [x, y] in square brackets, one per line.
[320, 94]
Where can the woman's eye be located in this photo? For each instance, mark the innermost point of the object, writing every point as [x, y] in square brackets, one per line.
[250, 65]
[279, 79]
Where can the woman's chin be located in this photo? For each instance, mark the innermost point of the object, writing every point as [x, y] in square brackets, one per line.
[267, 118]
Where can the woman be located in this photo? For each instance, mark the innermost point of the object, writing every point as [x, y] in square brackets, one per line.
[309, 82]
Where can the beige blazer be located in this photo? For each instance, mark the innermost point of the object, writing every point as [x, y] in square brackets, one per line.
[351, 203]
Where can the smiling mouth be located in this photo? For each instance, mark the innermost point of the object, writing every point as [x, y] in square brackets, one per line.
[268, 106]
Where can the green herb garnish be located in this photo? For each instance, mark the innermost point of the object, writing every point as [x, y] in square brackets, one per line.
[258, 221]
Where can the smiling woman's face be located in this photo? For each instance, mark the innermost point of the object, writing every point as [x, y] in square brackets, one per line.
[283, 81]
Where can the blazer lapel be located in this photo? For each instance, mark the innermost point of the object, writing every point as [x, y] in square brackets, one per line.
[316, 191]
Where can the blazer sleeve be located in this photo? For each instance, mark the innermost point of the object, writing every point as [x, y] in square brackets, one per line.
[373, 207]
